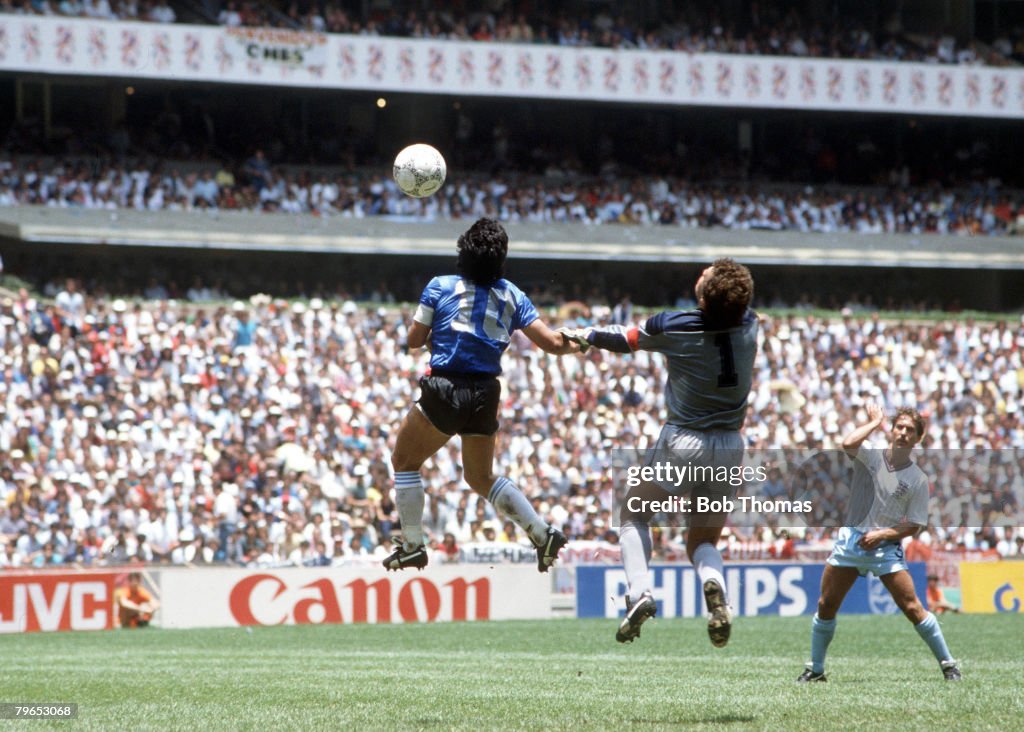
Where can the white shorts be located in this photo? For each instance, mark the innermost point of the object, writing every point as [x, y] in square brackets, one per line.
[883, 560]
[696, 451]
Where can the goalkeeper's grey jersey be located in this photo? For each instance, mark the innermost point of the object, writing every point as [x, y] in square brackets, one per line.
[710, 370]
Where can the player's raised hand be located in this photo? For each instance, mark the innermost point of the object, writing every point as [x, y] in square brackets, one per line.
[853, 440]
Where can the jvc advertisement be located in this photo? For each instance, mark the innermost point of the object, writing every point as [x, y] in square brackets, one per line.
[754, 589]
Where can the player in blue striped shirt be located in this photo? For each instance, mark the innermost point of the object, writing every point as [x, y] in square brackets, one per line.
[468, 319]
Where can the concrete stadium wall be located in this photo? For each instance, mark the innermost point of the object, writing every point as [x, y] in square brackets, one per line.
[656, 265]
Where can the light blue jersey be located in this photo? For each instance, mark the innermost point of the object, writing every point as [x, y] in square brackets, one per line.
[470, 324]
[881, 497]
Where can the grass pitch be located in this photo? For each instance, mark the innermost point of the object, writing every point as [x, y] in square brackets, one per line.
[543, 675]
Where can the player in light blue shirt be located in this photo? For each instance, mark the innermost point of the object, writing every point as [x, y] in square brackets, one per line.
[468, 319]
[888, 502]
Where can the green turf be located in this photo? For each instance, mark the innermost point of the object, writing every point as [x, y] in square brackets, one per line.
[559, 674]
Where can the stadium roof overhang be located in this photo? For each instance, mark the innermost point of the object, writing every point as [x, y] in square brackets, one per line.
[285, 233]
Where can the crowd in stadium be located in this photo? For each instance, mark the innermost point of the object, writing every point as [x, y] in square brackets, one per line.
[762, 29]
[258, 433]
[156, 11]
[651, 200]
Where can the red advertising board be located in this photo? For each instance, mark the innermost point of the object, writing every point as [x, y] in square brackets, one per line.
[45, 601]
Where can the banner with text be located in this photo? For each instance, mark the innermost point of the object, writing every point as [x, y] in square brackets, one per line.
[992, 587]
[291, 58]
[49, 601]
[264, 48]
[238, 597]
[753, 589]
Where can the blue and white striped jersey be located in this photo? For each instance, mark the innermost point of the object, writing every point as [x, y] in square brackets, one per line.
[471, 324]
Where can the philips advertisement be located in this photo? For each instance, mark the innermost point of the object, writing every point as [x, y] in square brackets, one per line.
[754, 589]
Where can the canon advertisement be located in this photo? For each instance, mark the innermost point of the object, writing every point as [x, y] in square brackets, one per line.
[351, 595]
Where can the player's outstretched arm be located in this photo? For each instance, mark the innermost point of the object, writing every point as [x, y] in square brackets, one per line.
[550, 341]
[616, 338]
[853, 441]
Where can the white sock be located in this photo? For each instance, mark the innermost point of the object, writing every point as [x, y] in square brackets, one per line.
[508, 499]
[409, 500]
[635, 540]
[708, 562]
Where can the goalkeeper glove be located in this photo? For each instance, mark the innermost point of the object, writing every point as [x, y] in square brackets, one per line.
[579, 336]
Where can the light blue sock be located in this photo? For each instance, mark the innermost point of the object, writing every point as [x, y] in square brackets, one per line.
[821, 635]
[510, 501]
[409, 501]
[930, 631]
[708, 562]
[635, 540]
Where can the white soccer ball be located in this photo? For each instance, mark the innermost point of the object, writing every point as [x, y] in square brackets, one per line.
[420, 170]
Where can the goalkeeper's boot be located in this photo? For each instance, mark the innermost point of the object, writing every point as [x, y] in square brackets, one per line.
[719, 618]
[547, 551]
[402, 559]
[636, 613]
[810, 675]
[951, 670]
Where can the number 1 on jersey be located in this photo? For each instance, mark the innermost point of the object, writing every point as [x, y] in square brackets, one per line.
[727, 377]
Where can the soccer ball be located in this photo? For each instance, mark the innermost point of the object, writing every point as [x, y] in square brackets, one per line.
[420, 170]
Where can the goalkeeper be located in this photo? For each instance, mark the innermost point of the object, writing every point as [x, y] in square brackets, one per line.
[710, 357]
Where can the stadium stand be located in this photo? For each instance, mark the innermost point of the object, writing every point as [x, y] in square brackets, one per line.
[652, 200]
[207, 277]
[257, 433]
[779, 28]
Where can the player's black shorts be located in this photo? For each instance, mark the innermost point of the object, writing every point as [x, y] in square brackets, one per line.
[461, 404]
